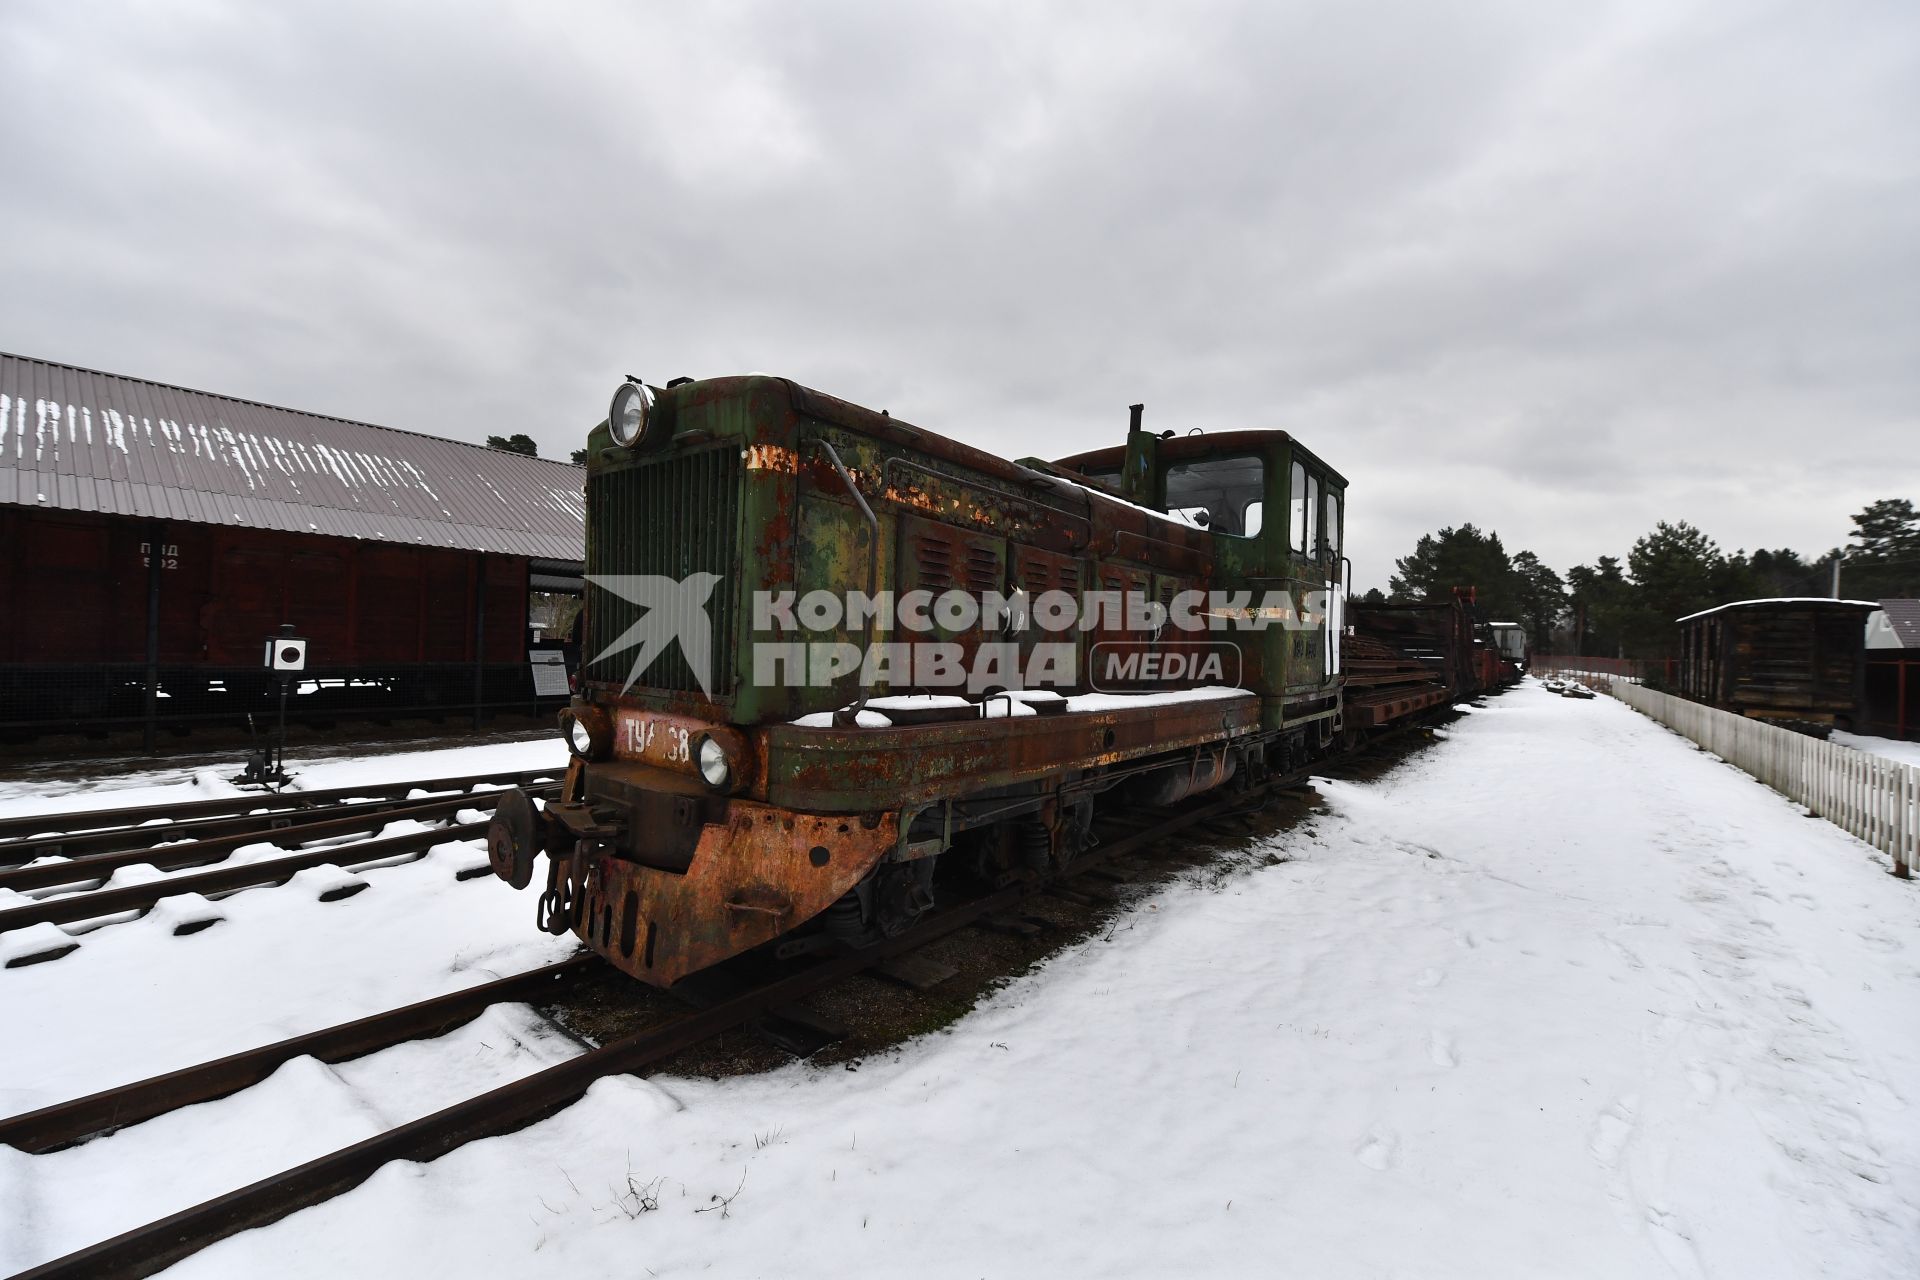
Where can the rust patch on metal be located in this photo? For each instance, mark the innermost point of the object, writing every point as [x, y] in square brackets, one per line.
[667, 741]
[858, 769]
[772, 457]
[751, 880]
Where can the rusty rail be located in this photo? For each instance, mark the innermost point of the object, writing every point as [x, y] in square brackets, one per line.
[112, 902]
[81, 820]
[64, 1123]
[97, 866]
[268, 824]
[145, 1250]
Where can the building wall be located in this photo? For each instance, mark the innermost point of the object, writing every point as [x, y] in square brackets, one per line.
[76, 591]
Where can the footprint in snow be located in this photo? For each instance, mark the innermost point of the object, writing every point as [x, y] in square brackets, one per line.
[1675, 1243]
[1429, 979]
[1376, 1151]
[1440, 1049]
[1612, 1129]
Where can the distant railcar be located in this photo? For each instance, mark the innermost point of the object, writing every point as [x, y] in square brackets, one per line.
[1510, 645]
[155, 535]
[394, 629]
[1800, 663]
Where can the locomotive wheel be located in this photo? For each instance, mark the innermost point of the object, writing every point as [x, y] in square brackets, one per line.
[510, 839]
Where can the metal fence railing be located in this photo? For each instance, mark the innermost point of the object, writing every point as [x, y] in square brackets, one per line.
[1869, 796]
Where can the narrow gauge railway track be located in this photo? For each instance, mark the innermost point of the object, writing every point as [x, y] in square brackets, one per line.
[37, 835]
[63, 1124]
[145, 1250]
[67, 908]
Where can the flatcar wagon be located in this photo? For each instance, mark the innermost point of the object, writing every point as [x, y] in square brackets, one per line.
[754, 754]
[1437, 633]
[1797, 662]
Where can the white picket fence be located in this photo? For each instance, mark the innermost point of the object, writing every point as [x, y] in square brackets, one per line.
[1872, 797]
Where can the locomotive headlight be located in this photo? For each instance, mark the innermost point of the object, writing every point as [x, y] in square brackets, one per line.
[627, 416]
[588, 733]
[713, 763]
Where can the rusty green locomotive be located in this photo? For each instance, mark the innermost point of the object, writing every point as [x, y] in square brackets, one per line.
[789, 715]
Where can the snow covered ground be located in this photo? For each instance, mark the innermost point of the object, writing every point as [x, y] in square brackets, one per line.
[1891, 748]
[164, 785]
[1560, 997]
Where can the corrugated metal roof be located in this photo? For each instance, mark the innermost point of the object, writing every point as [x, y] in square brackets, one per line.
[79, 440]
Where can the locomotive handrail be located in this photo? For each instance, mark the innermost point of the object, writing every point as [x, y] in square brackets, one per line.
[886, 482]
[850, 715]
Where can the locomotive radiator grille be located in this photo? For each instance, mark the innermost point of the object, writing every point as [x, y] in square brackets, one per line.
[671, 518]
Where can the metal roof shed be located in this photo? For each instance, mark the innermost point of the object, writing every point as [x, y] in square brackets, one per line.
[75, 439]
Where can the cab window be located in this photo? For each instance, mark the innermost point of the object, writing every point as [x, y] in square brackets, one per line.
[1297, 514]
[1220, 494]
[1312, 513]
[1333, 523]
[1312, 544]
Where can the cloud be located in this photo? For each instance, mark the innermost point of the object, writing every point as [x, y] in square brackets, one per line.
[1560, 272]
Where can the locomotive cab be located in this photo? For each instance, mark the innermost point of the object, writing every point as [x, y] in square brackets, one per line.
[1226, 483]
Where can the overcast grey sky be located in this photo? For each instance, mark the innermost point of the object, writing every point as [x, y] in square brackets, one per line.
[1561, 270]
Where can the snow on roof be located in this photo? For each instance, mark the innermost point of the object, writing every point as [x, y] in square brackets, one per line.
[1742, 604]
[1081, 484]
[1903, 620]
[76, 439]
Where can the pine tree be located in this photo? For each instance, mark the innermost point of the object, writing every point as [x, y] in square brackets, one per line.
[1601, 598]
[1883, 560]
[1677, 570]
[1508, 589]
[1457, 558]
[518, 442]
[1542, 598]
